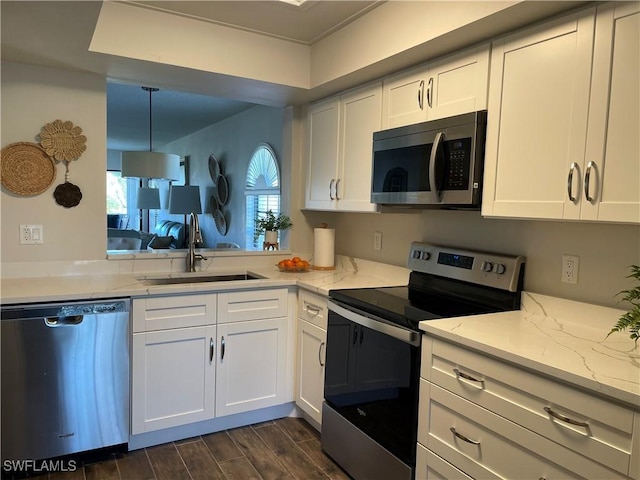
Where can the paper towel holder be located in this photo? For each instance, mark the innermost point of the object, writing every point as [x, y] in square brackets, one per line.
[316, 267]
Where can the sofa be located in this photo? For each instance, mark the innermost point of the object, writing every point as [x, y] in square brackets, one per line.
[166, 228]
[122, 239]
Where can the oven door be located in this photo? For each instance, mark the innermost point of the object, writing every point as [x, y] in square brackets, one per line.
[372, 375]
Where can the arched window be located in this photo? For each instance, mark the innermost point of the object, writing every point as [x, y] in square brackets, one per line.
[262, 192]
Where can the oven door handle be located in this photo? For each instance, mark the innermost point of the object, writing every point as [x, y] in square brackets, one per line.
[376, 323]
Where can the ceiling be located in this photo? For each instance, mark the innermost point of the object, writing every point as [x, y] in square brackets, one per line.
[57, 34]
[177, 114]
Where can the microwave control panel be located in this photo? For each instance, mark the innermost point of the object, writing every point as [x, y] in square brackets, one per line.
[458, 162]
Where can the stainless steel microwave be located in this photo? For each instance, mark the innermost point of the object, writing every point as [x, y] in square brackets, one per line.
[435, 164]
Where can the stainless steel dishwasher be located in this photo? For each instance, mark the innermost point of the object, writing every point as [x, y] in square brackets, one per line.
[65, 378]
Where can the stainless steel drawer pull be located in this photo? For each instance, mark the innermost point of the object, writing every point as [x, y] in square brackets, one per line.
[565, 419]
[222, 349]
[333, 180]
[313, 309]
[463, 438]
[337, 186]
[211, 343]
[420, 95]
[466, 376]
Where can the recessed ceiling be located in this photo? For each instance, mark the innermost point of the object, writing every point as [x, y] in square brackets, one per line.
[306, 23]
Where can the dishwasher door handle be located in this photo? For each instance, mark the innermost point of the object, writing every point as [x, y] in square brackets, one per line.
[63, 321]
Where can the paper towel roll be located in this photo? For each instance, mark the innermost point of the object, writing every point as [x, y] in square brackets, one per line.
[323, 245]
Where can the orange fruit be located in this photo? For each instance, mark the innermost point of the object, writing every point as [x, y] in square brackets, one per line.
[296, 259]
[289, 265]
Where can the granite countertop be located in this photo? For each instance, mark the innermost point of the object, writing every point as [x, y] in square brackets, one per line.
[563, 339]
[129, 282]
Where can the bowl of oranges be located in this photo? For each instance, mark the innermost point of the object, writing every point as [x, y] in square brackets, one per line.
[295, 264]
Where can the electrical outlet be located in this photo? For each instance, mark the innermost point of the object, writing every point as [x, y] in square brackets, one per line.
[31, 235]
[570, 264]
[377, 241]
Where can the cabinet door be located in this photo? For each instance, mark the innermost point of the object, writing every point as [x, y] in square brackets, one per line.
[311, 358]
[613, 142]
[252, 366]
[323, 127]
[404, 98]
[173, 378]
[360, 115]
[538, 105]
[458, 84]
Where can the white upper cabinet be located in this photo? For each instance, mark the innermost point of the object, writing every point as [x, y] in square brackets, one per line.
[453, 85]
[340, 141]
[613, 139]
[562, 132]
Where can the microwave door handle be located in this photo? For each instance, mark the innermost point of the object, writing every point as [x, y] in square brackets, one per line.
[433, 184]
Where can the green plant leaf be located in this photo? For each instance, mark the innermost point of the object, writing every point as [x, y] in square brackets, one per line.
[630, 320]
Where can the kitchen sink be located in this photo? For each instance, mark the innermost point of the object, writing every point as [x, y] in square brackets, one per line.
[197, 278]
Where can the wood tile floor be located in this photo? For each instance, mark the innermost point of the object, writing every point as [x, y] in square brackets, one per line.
[287, 449]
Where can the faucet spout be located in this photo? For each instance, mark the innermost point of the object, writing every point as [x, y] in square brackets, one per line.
[195, 237]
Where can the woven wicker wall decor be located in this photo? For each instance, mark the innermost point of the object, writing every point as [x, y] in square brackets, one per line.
[26, 169]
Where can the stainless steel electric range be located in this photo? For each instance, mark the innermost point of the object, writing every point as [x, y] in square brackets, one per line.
[372, 370]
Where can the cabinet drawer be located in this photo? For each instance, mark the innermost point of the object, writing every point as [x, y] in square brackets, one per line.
[430, 466]
[252, 305]
[605, 430]
[312, 308]
[495, 447]
[163, 313]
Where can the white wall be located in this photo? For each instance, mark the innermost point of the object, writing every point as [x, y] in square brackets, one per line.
[605, 250]
[33, 96]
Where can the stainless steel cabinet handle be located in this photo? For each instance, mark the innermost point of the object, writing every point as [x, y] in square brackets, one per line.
[337, 184]
[463, 438]
[420, 95]
[572, 168]
[320, 354]
[355, 335]
[587, 181]
[313, 309]
[331, 188]
[222, 349]
[211, 343]
[568, 420]
[430, 93]
[466, 376]
[361, 335]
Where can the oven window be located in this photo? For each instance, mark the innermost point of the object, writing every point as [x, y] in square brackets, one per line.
[372, 380]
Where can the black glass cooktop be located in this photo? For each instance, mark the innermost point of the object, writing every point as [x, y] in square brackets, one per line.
[425, 298]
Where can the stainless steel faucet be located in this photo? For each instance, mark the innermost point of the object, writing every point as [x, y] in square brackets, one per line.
[195, 236]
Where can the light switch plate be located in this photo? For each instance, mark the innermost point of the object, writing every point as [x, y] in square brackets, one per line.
[31, 235]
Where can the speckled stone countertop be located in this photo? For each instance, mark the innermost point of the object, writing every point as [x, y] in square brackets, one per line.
[563, 339]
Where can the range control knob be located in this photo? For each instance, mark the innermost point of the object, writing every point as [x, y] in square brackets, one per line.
[425, 256]
[499, 268]
[486, 266]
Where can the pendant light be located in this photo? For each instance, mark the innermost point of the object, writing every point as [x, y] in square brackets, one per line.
[150, 164]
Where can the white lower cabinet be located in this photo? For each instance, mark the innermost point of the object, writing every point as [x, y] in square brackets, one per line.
[251, 350]
[251, 365]
[489, 419]
[312, 338]
[200, 357]
[173, 369]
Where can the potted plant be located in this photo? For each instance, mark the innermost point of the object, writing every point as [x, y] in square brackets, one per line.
[270, 225]
[631, 319]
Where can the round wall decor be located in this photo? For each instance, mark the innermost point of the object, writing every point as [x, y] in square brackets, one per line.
[26, 169]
